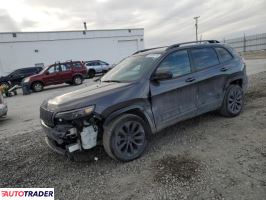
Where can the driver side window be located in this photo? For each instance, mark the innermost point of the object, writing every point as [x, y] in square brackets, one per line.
[54, 69]
[177, 63]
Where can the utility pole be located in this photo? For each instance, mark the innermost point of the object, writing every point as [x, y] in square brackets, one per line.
[85, 26]
[196, 25]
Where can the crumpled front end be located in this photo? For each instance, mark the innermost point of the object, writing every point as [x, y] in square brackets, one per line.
[70, 131]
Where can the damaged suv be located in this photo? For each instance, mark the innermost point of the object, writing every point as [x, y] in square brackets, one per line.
[143, 94]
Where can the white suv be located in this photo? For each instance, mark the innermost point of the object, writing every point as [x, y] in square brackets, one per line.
[96, 67]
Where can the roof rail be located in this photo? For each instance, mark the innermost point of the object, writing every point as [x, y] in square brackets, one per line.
[143, 50]
[197, 42]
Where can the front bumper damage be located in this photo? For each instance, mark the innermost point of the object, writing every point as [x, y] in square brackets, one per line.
[66, 138]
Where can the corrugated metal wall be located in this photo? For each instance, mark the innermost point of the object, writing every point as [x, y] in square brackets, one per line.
[27, 49]
[248, 43]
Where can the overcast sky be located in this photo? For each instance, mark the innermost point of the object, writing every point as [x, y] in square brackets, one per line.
[165, 21]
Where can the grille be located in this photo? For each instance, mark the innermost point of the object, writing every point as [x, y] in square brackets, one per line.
[46, 116]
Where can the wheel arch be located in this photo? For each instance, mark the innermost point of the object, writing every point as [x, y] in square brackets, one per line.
[36, 81]
[91, 69]
[236, 80]
[136, 110]
[78, 74]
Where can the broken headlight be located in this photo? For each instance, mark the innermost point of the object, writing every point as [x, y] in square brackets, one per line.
[74, 114]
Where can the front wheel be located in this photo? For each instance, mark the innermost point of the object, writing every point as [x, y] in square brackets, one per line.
[37, 86]
[91, 73]
[233, 101]
[125, 137]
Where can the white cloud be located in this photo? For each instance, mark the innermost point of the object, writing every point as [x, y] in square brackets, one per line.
[165, 21]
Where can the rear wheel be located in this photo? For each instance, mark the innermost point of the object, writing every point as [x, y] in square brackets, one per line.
[37, 87]
[91, 73]
[77, 80]
[233, 101]
[125, 139]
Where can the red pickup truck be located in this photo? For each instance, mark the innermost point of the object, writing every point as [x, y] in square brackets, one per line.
[72, 72]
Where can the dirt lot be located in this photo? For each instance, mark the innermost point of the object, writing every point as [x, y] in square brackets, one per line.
[208, 157]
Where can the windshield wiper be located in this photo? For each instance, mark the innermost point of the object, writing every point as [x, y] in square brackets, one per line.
[109, 81]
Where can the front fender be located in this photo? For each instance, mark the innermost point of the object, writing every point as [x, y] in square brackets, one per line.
[147, 113]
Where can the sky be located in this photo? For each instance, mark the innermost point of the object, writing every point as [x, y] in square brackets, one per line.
[164, 21]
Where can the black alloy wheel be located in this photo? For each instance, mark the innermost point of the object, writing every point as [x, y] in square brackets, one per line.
[126, 139]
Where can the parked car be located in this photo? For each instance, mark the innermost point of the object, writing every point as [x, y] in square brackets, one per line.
[3, 106]
[18, 75]
[96, 67]
[72, 72]
[143, 94]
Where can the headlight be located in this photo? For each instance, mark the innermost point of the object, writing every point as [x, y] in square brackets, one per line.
[26, 80]
[74, 114]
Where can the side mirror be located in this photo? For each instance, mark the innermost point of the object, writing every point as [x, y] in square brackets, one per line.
[162, 75]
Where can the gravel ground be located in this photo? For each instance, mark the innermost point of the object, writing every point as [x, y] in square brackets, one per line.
[207, 157]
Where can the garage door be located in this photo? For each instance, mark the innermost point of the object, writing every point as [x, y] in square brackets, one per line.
[127, 47]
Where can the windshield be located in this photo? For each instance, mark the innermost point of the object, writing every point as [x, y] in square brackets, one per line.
[131, 68]
[44, 69]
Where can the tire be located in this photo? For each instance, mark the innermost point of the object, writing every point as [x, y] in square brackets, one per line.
[37, 87]
[233, 101]
[77, 80]
[91, 73]
[125, 137]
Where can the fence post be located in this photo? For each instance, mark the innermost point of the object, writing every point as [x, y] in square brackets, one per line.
[244, 43]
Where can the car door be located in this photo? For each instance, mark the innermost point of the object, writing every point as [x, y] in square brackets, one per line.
[105, 66]
[51, 75]
[97, 66]
[211, 78]
[66, 72]
[174, 99]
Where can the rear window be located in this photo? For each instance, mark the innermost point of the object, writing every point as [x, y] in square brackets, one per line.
[224, 54]
[77, 65]
[204, 57]
[103, 63]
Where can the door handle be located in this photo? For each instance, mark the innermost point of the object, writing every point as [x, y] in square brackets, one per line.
[223, 69]
[190, 79]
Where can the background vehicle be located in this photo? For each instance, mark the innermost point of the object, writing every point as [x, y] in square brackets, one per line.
[143, 94]
[18, 75]
[3, 106]
[72, 72]
[96, 67]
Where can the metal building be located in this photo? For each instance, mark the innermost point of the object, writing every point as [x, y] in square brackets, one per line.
[26, 49]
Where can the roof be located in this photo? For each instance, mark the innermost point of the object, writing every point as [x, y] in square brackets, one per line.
[69, 31]
[14, 37]
[177, 46]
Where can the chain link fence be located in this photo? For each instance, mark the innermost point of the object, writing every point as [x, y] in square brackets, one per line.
[248, 43]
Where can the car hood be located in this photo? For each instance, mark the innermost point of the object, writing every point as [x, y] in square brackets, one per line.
[35, 75]
[92, 95]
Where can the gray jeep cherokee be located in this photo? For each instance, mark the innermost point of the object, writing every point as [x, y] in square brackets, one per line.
[143, 94]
